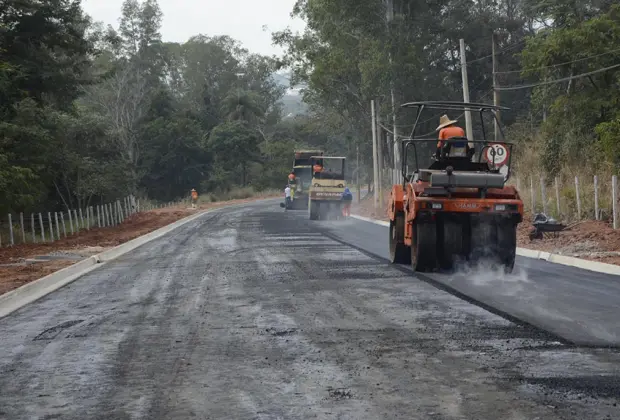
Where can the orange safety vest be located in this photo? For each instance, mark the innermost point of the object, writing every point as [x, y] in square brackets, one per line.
[291, 177]
[449, 132]
[194, 195]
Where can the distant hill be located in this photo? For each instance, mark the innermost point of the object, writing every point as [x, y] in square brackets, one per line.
[292, 102]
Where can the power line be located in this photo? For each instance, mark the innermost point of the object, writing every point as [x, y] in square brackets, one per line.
[501, 51]
[561, 64]
[564, 79]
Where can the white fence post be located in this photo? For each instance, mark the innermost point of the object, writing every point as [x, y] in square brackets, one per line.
[77, 221]
[543, 194]
[49, 217]
[557, 196]
[533, 195]
[42, 228]
[596, 211]
[64, 227]
[21, 222]
[34, 232]
[11, 239]
[578, 198]
[57, 225]
[614, 198]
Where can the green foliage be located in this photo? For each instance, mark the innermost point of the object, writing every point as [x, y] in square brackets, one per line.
[91, 113]
[579, 110]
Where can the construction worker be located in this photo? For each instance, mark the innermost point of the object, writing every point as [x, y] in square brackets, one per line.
[292, 181]
[347, 199]
[447, 129]
[194, 198]
[287, 196]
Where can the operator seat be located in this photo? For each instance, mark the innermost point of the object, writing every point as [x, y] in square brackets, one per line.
[456, 147]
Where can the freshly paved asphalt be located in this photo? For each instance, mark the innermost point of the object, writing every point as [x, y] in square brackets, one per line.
[256, 313]
[580, 306]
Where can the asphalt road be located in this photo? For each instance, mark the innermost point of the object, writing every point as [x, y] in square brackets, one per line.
[253, 313]
[579, 306]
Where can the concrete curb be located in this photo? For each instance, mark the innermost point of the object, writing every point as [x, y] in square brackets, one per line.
[30, 292]
[595, 266]
[35, 290]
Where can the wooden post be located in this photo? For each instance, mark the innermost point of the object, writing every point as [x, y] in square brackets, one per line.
[71, 221]
[77, 222]
[11, 238]
[543, 194]
[87, 218]
[81, 220]
[98, 217]
[557, 196]
[614, 199]
[64, 227]
[34, 233]
[578, 198]
[533, 195]
[42, 228]
[57, 225]
[596, 211]
[21, 222]
[121, 216]
[49, 217]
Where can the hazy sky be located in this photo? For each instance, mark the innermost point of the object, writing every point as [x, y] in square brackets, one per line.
[240, 19]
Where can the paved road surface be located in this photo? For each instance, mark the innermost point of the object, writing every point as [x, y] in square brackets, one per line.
[252, 313]
[580, 306]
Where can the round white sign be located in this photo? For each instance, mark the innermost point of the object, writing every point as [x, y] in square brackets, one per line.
[497, 154]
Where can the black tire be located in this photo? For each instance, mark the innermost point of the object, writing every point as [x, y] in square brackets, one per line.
[424, 247]
[452, 244]
[313, 210]
[483, 241]
[399, 252]
[507, 246]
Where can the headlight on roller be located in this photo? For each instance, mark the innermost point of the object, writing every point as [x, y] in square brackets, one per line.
[437, 206]
[500, 207]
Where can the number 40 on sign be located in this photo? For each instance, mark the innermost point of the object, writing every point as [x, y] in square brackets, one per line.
[497, 154]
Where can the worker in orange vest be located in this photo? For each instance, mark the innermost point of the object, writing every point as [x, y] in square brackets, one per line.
[194, 198]
[447, 129]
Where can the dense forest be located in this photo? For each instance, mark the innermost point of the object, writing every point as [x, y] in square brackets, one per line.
[557, 69]
[90, 113]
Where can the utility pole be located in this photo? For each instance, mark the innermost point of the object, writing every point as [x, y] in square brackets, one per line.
[375, 160]
[395, 143]
[379, 157]
[357, 176]
[468, 127]
[495, 89]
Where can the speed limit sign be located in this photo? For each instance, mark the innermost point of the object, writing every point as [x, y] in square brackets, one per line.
[497, 154]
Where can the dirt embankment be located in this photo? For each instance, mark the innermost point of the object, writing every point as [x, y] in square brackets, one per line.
[24, 263]
[588, 239]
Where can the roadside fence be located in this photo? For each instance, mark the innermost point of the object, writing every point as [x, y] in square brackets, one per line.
[575, 199]
[47, 227]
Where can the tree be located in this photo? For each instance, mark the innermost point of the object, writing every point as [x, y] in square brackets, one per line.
[234, 146]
